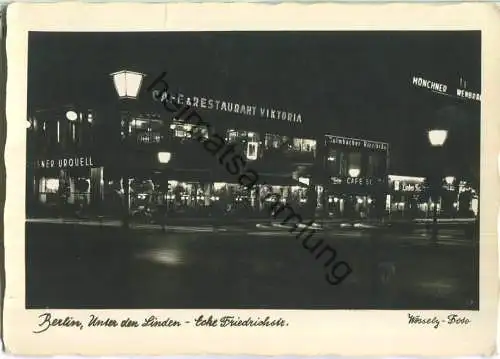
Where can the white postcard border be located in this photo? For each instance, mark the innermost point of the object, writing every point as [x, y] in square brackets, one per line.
[335, 332]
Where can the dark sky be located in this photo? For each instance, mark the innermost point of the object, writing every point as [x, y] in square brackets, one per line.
[347, 83]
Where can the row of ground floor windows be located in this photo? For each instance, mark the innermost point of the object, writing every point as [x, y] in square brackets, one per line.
[179, 196]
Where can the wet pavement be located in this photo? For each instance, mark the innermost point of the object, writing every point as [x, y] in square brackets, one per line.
[74, 266]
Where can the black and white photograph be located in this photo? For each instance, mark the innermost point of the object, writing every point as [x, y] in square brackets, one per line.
[277, 180]
[240, 170]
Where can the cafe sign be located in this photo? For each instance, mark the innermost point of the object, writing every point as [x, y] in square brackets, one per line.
[359, 181]
[65, 162]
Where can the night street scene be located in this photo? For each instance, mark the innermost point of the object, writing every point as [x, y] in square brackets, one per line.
[245, 170]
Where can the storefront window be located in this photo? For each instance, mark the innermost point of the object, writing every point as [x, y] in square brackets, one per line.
[182, 133]
[333, 162]
[304, 145]
[354, 162]
[183, 196]
[376, 165]
[146, 130]
[50, 133]
[250, 142]
[274, 141]
[49, 189]
[251, 151]
[49, 185]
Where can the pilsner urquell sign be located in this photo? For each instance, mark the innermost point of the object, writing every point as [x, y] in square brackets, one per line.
[65, 162]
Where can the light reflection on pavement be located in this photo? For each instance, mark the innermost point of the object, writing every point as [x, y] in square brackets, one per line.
[104, 268]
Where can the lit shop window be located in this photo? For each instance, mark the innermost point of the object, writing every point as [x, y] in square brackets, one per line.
[242, 136]
[337, 162]
[354, 163]
[49, 185]
[250, 142]
[304, 145]
[252, 150]
[186, 130]
[232, 136]
[147, 130]
[275, 141]
[143, 124]
[305, 180]
[332, 162]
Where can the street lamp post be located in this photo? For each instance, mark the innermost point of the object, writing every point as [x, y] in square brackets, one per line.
[127, 86]
[450, 194]
[437, 138]
[164, 158]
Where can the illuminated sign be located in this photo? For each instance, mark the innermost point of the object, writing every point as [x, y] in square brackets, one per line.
[360, 181]
[406, 183]
[232, 107]
[68, 162]
[431, 85]
[442, 89]
[468, 94]
[354, 142]
[149, 138]
[407, 187]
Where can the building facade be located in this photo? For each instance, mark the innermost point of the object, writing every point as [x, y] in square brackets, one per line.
[409, 197]
[79, 160]
[354, 181]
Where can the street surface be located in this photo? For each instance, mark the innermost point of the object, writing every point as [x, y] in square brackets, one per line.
[100, 265]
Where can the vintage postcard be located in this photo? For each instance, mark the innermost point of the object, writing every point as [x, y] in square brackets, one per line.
[252, 179]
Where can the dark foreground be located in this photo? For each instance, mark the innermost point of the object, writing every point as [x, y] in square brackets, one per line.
[74, 266]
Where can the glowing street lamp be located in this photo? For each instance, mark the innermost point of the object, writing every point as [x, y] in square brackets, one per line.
[127, 83]
[449, 180]
[71, 116]
[127, 86]
[354, 172]
[28, 124]
[437, 138]
[164, 157]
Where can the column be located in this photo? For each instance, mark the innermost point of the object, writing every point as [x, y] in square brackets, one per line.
[96, 186]
[71, 197]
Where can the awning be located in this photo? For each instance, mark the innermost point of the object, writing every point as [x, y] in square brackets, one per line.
[186, 175]
[279, 180]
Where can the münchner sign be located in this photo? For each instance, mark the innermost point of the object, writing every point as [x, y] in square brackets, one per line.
[442, 89]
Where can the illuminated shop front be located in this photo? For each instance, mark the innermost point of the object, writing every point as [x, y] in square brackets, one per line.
[459, 198]
[79, 159]
[406, 197]
[409, 198]
[353, 196]
[64, 183]
[356, 182]
[211, 197]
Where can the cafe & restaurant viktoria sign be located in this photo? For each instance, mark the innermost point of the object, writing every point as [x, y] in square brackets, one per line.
[65, 162]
